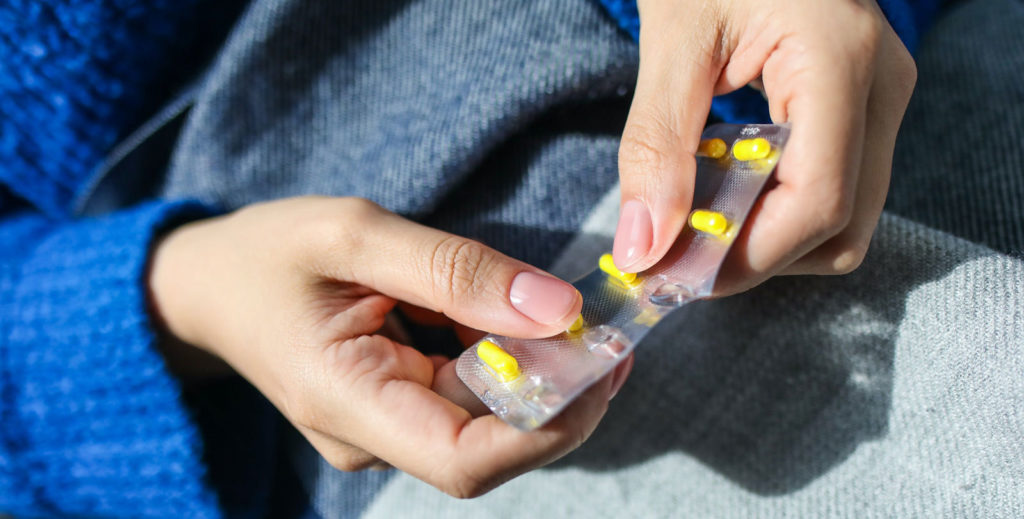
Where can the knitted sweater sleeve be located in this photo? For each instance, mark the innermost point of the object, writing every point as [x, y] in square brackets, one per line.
[909, 18]
[92, 422]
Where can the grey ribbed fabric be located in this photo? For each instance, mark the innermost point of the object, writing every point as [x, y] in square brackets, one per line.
[488, 118]
[960, 167]
[492, 119]
[897, 391]
[894, 392]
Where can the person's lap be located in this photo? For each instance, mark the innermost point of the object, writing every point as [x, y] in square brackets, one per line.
[894, 389]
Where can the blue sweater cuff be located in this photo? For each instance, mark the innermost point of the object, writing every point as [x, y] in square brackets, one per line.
[93, 423]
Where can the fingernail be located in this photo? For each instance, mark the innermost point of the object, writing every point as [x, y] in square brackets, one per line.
[542, 298]
[621, 374]
[633, 236]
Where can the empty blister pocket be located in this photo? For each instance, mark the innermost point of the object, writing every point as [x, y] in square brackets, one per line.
[526, 382]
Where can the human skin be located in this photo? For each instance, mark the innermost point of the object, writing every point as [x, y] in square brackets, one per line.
[833, 69]
[292, 295]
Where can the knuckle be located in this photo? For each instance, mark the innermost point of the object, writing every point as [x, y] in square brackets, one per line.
[355, 213]
[464, 487]
[304, 414]
[642, 145]
[578, 438]
[649, 161]
[458, 267]
[904, 73]
[332, 220]
[347, 461]
[334, 226]
[859, 39]
[299, 404]
[867, 27]
[850, 255]
[456, 481]
[835, 214]
[359, 208]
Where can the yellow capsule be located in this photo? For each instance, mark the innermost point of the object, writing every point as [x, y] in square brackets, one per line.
[502, 365]
[576, 325]
[767, 164]
[607, 264]
[649, 317]
[714, 148]
[709, 222]
[751, 149]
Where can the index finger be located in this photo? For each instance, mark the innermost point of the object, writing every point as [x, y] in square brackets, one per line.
[467, 281]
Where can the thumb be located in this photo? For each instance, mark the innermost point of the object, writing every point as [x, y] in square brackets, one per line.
[464, 279]
[678, 71]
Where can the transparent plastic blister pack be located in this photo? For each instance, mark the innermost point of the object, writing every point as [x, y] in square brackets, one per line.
[526, 382]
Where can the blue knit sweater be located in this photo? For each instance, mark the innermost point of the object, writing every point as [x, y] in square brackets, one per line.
[92, 422]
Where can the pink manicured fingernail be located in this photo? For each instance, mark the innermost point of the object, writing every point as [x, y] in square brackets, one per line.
[542, 298]
[634, 235]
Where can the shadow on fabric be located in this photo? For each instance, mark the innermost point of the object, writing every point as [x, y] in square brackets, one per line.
[770, 388]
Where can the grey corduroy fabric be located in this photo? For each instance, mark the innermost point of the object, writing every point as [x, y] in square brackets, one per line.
[897, 391]
[490, 119]
[959, 164]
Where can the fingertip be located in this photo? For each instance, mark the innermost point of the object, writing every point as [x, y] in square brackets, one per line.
[545, 300]
[641, 245]
[633, 236]
[656, 201]
[670, 220]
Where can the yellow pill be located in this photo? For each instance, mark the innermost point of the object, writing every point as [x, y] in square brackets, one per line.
[751, 149]
[649, 317]
[709, 222]
[714, 148]
[607, 264]
[502, 365]
[767, 164]
[577, 324]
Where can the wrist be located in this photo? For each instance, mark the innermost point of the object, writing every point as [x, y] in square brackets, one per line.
[174, 282]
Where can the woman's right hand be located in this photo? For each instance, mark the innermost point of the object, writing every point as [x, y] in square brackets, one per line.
[291, 295]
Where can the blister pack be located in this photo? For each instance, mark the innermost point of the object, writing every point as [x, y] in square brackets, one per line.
[526, 382]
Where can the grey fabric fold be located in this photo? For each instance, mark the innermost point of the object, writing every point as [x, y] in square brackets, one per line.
[897, 391]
